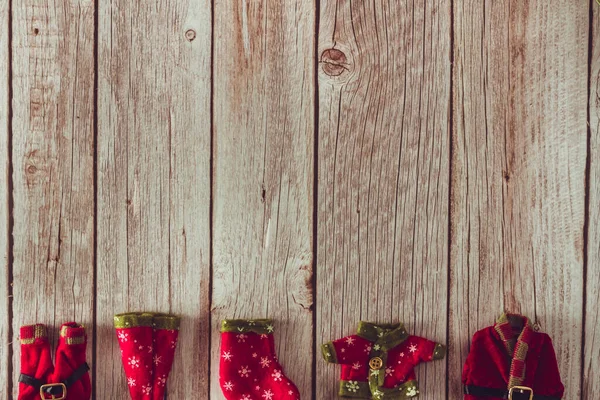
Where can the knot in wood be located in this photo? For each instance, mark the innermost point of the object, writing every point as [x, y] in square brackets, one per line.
[334, 62]
[190, 35]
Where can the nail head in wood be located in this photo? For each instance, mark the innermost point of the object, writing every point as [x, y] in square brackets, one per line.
[190, 35]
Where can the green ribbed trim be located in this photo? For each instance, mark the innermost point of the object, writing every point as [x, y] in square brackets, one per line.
[439, 352]
[387, 336]
[329, 353]
[262, 326]
[362, 390]
[154, 320]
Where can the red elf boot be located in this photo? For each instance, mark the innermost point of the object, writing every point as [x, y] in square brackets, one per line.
[166, 332]
[71, 368]
[249, 369]
[135, 335]
[36, 361]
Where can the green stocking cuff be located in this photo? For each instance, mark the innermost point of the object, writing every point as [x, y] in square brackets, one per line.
[328, 352]
[262, 326]
[153, 320]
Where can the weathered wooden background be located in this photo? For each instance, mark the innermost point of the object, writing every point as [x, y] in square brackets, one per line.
[317, 162]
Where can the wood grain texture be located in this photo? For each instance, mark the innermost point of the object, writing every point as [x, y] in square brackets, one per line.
[591, 364]
[263, 176]
[5, 338]
[519, 150]
[154, 180]
[384, 97]
[52, 138]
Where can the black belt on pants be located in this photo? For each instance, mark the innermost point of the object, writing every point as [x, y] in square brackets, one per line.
[503, 393]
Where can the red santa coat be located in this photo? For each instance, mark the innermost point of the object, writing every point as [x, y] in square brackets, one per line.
[510, 354]
[378, 362]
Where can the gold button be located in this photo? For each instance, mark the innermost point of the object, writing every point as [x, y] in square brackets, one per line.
[376, 363]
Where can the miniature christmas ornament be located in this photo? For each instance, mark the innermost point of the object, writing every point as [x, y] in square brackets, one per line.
[510, 360]
[378, 362]
[148, 342]
[249, 369]
[68, 379]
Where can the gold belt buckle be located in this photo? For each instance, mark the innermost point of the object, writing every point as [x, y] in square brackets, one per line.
[51, 385]
[521, 390]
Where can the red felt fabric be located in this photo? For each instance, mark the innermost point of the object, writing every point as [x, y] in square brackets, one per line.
[249, 369]
[488, 365]
[147, 354]
[36, 360]
[353, 353]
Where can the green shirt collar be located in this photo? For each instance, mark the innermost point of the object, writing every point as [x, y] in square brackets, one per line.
[387, 336]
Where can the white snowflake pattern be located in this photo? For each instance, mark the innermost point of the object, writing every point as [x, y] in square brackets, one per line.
[356, 366]
[352, 386]
[134, 362]
[264, 336]
[146, 389]
[123, 336]
[389, 371]
[350, 341]
[227, 356]
[402, 354]
[244, 372]
[412, 391]
[265, 362]
[377, 394]
[157, 360]
[268, 395]
[277, 375]
[150, 349]
[270, 328]
[254, 355]
[242, 338]
[368, 348]
[131, 382]
[245, 397]
[343, 350]
[173, 344]
[412, 348]
[228, 386]
[377, 347]
[162, 381]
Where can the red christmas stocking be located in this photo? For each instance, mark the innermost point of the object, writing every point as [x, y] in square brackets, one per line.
[148, 343]
[134, 332]
[36, 361]
[70, 363]
[249, 369]
[166, 332]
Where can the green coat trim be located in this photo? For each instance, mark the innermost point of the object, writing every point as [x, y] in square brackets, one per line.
[328, 352]
[262, 326]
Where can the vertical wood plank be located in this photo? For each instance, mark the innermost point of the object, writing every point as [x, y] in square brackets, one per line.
[384, 99]
[154, 180]
[52, 138]
[591, 364]
[519, 150]
[4, 199]
[263, 178]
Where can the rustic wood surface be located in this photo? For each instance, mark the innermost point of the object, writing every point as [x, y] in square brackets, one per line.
[5, 327]
[591, 363]
[319, 162]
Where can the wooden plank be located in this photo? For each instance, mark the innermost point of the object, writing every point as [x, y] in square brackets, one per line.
[263, 178]
[384, 96]
[154, 180]
[4, 200]
[519, 150]
[52, 138]
[591, 364]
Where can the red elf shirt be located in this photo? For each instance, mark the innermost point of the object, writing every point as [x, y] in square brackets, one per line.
[378, 362]
[511, 355]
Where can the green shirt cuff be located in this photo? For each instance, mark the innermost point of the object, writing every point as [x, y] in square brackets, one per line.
[329, 352]
[439, 352]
